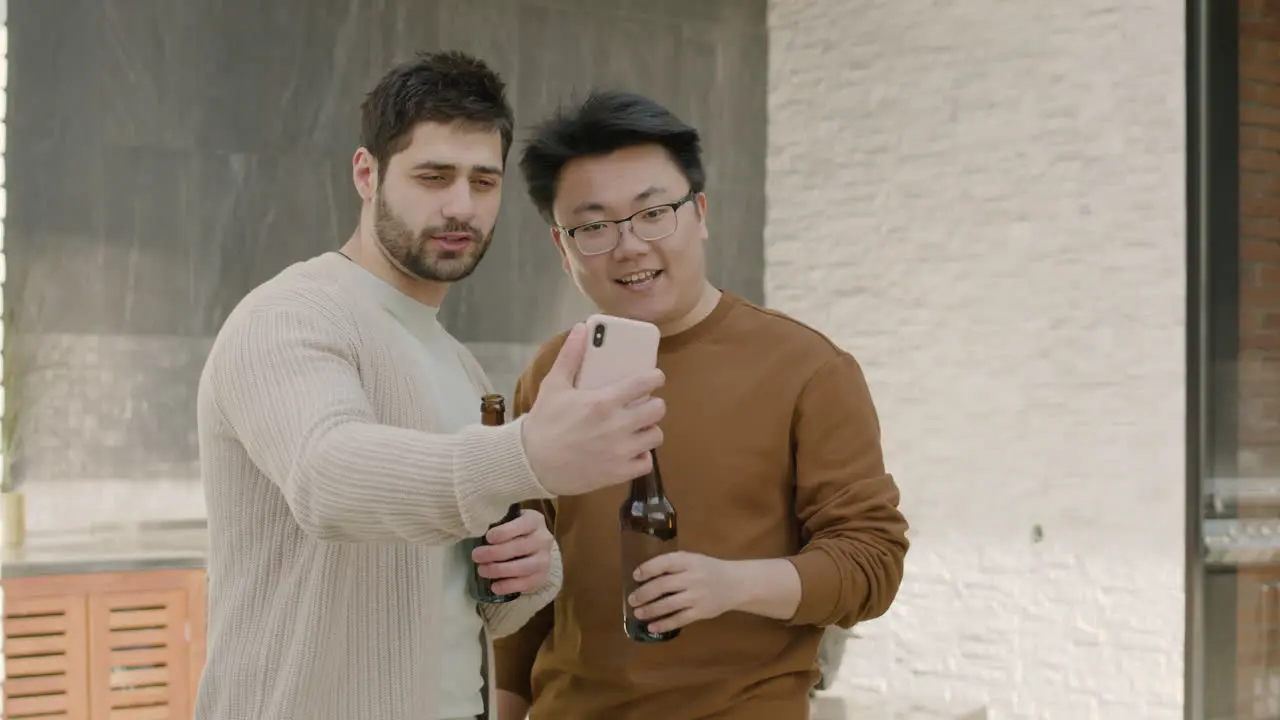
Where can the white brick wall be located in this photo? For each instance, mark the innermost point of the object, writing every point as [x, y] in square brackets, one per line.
[983, 200]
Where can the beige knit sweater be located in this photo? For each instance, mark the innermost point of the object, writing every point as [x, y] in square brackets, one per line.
[330, 502]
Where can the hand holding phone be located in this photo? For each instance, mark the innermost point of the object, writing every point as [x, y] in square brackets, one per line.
[595, 419]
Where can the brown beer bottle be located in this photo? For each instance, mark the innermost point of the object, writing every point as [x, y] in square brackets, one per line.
[648, 523]
[493, 412]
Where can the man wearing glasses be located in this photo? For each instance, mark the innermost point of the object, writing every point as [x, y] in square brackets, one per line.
[788, 521]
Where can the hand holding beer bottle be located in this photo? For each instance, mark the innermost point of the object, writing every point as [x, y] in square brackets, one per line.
[648, 522]
[493, 412]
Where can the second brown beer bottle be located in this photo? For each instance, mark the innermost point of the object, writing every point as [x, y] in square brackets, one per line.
[493, 411]
[648, 522]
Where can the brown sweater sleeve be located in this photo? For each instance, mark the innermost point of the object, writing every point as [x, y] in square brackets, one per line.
[515, 653]
[851, 564]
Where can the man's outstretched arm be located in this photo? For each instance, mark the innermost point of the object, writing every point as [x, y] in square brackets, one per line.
[284, 379]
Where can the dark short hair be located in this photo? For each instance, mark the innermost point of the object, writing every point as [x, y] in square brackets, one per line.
[605, 122]
[439, 87]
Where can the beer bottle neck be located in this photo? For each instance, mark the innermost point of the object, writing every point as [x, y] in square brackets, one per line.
[648, 487]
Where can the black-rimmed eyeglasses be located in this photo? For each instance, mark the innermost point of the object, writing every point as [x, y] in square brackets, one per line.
[650, 224]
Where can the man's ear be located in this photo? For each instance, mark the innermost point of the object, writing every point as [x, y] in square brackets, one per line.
[700, 202]
[558, 237]
[364, 174]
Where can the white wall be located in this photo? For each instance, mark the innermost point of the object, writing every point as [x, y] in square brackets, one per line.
[983, 201]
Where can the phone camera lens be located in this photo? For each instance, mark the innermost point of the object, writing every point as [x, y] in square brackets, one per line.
[597, 338]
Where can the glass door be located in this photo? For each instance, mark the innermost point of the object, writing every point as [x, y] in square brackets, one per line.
[1233, 579]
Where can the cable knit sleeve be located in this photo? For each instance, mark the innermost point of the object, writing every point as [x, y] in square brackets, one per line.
[284, 375]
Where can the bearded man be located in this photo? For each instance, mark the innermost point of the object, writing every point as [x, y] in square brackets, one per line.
[340, 450]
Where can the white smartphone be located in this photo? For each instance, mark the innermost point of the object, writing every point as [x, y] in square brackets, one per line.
[617, 349]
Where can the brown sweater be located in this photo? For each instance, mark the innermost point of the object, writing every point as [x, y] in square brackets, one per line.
[772, 449]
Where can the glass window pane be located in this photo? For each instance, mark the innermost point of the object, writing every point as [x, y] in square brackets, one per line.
[1241, 513]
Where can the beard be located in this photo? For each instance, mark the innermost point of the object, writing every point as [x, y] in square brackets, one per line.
[414, 254]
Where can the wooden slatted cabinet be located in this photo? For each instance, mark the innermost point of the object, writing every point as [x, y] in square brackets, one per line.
[46, 642]
[108, 646]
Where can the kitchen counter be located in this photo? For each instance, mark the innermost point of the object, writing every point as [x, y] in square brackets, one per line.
[163, 545]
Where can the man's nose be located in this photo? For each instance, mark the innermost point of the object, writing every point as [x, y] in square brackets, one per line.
[459, 205]
[629, 244]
